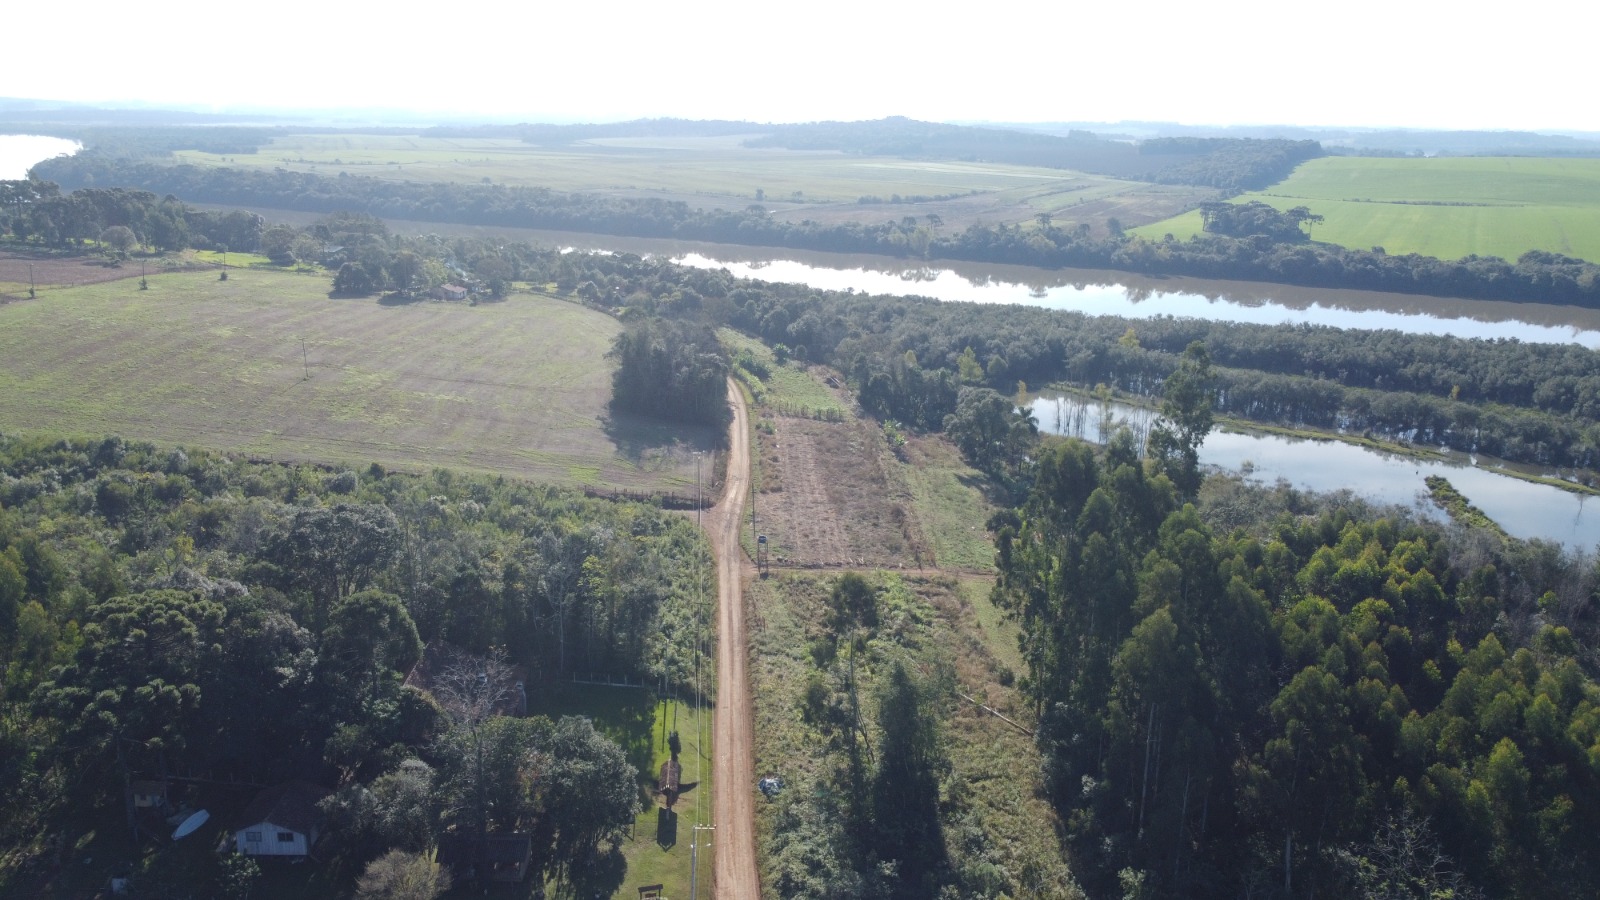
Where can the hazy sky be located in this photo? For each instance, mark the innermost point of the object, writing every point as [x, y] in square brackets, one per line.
[1403, 63]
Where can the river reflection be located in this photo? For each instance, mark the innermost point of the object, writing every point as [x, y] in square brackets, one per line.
[1523, 509]
[1091, 291]
[1100, 293]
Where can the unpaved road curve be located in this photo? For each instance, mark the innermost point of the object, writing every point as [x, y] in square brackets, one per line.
[733, 804]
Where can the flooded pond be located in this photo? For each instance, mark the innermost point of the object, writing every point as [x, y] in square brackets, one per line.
[1522, 508]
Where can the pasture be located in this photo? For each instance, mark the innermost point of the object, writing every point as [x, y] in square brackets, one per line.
[712, 172]
[267, 365]
[1444, 207]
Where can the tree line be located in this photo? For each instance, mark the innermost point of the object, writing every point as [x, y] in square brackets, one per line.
[1536, 276]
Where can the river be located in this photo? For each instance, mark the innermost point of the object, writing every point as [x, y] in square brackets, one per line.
[1091, 291]
[20, 152]
[1524, 509]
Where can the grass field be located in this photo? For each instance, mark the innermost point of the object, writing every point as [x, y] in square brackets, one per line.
[266, 364]
[1443, 207]
[718, 172]
[658, 849]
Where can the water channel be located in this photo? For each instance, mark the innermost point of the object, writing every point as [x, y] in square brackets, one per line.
[1522, 508]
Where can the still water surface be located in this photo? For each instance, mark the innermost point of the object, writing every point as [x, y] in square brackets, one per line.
[1091, 291]
[20, 152]
[1522, 508]
[1100, 293]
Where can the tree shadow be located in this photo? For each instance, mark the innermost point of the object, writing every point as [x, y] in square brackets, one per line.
[653, 444]
[666, 829]
[600, 877]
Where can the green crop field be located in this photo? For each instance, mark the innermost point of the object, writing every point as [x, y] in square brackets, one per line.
[705, 166]
[1444, 207]
[266, 364]
[718, 172]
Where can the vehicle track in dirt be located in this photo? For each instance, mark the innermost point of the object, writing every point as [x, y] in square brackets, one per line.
[733, 807]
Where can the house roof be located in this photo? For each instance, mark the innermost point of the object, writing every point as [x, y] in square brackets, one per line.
[292, 804]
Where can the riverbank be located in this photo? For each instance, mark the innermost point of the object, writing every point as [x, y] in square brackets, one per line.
[1237, 425]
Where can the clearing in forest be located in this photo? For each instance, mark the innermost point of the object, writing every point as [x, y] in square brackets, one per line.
[266, 364]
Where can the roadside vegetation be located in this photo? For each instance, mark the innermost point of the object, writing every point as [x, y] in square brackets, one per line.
[893, 785]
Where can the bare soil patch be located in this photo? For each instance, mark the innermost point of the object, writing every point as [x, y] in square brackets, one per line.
[56, 271]
[829, 499]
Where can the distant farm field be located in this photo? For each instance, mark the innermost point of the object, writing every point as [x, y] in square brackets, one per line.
[1444, 207]
[266, 364]
[719, 172]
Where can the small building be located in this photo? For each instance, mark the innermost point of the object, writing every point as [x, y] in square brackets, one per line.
[668, 784]
[450, 292]
[149, 794]
[282, 820]
[506, 857]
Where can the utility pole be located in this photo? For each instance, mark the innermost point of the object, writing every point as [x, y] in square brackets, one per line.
[31, 294]
[305, 361]
[144, 284]
[699, 500]
[694, 858]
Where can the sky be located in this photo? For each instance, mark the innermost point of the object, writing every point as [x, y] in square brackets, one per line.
[1374, 63]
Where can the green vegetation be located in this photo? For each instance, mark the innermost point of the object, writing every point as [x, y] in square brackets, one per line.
[894, 786]
[950, 504]
[165, 610]
[641, 723]
[267, 364]
[1443, 207]
[1294, 702]
[1455, 503]
[785, 385]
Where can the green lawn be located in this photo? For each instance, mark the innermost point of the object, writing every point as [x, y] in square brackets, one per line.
[658, 849]
[266, 364]
[1443, 207]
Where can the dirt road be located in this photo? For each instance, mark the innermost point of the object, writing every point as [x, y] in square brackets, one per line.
[733, 803]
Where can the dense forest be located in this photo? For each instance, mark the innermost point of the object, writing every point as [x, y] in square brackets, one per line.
[214, 621]
[1536, 276]
[1319, 703]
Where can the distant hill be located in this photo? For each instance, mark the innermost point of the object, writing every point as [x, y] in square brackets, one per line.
[1361, 141]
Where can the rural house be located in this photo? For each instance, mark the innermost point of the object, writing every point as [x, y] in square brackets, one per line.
[282, 820]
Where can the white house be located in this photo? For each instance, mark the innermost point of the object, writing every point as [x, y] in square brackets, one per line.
[282, 820]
